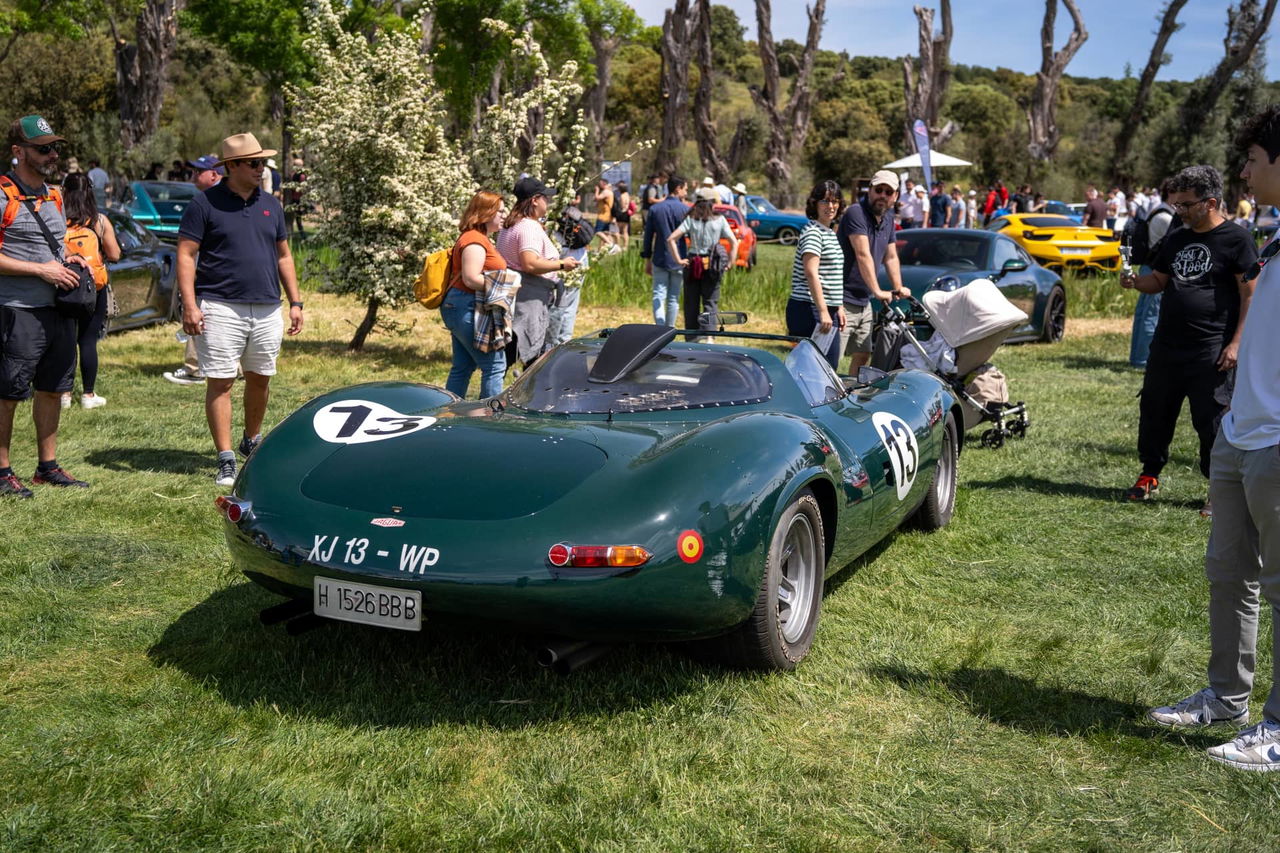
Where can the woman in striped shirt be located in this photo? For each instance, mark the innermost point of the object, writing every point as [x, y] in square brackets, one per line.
[817, 276]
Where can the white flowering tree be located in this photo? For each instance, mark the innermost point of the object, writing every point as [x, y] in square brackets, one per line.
[387, 177]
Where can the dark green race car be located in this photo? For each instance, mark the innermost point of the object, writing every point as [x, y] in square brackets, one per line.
[626, 487]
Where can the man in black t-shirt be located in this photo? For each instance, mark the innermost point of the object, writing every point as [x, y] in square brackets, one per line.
[1200, 272]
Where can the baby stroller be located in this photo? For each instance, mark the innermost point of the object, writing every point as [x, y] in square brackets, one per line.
[966, 326]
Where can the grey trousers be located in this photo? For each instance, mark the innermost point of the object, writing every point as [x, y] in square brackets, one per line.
[1242, 559]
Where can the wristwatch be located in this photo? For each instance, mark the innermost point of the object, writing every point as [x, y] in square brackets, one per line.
[295, 304]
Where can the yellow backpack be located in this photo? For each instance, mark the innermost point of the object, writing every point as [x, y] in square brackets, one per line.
[433, 281]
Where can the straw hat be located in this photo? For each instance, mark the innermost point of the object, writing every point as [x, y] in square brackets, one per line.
[243, 146]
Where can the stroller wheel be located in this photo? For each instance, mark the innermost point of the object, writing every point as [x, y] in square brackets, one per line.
[1018, 429]
[993, 438]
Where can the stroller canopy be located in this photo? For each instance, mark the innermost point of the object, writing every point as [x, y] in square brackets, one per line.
[977, 310]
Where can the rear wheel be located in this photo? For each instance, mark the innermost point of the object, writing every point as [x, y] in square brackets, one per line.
[751, 259]
[940, 501]
[787, 235]
[780, 630]
[1053, 325]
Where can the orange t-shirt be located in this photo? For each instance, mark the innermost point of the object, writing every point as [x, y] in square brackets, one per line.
[492, 260]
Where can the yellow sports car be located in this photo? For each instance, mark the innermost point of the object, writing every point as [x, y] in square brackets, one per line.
[1059, 243]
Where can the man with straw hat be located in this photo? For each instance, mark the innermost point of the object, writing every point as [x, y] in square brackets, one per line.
[233, 257]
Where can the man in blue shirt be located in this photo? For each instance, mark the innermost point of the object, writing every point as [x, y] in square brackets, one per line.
[668, 275]
[231, 295]
[866, 236]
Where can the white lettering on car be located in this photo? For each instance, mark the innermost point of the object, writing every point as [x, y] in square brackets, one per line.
[900, 443]
[362, 421]
[415, 558]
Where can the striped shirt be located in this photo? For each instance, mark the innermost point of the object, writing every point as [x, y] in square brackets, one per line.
[817, 239]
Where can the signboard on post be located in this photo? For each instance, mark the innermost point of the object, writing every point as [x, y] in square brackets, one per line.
[616, 170]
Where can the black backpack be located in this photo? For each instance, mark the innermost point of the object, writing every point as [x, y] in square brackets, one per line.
[617, 211]
[1137, 235]
[575, 232]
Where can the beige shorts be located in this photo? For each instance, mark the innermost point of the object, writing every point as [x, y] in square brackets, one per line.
[856, 336]
[241, 334]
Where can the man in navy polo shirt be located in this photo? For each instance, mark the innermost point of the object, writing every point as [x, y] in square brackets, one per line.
[668, 275]
[233, 256]
[866, 236]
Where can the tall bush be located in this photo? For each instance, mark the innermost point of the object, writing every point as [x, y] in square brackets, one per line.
[385, 175]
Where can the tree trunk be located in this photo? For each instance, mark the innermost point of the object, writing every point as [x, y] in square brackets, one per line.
[1122, 170]
[366, 325]
[141, 70]
[598, 98]
[677, 27]
[1042, 121]
[704, 129]
[925, 96]
[788, 127]
[1245, 28]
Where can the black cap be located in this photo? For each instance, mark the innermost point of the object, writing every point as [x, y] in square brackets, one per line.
[529, 187]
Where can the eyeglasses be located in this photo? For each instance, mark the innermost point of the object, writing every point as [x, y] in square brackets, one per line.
[1184, 206]
[828, 201]
[1267, 254]
[884, 190]
[45, 149]
[253, 164]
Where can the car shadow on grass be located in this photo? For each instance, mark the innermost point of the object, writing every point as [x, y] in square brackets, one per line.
[1022, 703]
[165, 459]
[1044, 486]
[449, 673]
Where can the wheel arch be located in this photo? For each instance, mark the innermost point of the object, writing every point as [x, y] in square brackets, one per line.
[824, 492]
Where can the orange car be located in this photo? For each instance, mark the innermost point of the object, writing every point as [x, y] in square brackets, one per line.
[746, 237]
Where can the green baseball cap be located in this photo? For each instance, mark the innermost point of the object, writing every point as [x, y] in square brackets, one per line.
[36, 131]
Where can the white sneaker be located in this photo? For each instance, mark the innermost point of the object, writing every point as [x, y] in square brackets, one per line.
[1199, 709]
[1256, 748]
[65, 401]
[615, 249]
[92, 401]
[182, 376]
[226, 475]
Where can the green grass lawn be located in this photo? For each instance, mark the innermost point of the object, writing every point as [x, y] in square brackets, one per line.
[978, 688]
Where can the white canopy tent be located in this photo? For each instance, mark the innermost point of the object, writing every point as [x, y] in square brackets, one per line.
[936, 159]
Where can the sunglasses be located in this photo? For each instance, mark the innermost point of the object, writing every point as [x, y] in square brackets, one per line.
[253, 164]
[45, 149]
[1267, 254]
[883, 190]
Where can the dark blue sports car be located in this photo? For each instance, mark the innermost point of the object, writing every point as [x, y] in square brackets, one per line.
[947, 258]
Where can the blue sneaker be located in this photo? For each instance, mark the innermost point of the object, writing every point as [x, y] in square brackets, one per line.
[1199, 709]
[1256, 748]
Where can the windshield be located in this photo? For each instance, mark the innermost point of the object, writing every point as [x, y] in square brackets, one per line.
[670, 381]
[761, 205]
[169, 199]
[1049, 222]
[942, 248]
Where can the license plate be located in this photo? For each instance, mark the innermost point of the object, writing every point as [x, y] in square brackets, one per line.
[1066, 251]
[368, 605]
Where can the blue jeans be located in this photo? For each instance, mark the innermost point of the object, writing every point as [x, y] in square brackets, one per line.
[1145, 316]
[560, 318]
[666, 295]
[458, 313]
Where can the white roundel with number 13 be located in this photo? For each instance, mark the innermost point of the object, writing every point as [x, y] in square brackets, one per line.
[361, 421]
[904, 453]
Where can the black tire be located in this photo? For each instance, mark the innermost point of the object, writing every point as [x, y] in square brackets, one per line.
[1053, 322]
[780, 630]
[939, 502]
[993, 439]
[751, 259]
[787, 235]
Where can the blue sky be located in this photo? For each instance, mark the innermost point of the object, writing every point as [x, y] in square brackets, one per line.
[1007, 32]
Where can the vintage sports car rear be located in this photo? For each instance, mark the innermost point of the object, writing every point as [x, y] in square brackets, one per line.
[625, 487]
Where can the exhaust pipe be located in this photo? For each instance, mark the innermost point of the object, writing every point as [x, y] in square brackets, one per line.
[565, 656]
[286, 609]
[308, 621]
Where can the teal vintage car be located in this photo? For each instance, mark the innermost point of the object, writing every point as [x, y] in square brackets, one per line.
[159, 205]
[769, 223]
[627, 487]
